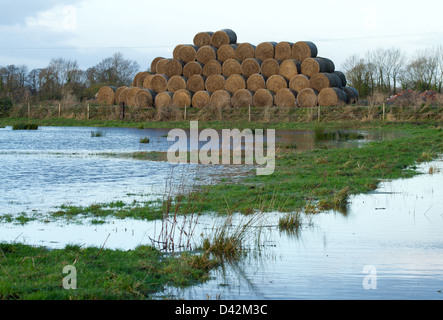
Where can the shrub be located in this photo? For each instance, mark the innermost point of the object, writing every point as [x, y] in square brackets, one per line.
[5, 106]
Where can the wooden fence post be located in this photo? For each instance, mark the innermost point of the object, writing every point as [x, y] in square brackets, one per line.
[59, 109]
[319, 109]
[87, 113]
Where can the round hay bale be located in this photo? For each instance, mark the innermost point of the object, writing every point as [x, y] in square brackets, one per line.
[154, 64]
[139, 78]
[235, 82]
[202, 39]
[283, 50]
[182, 98]
[263, 98]
[201, 99]
[290, 68]
[147, 83]
[342, 76]
[176, 51]
[191, 68]
[145, 98]
[221, 99]
[319, 81]
[244, 51]
[222, 37]
[311, 66]
[299, 82]
[159, 83]
[307, 98]
[106, 95]
[117, 94]
[231, 66]
[242, 98]
[206, 54]
[212, 67]
[174, 67]
[303, 50]
[215, 82]
[255, 82]
[163, 99]
[332, 97]
[196, 83]
[177, 83]
[286, 98]
[352, 94]
[251, 66]
[226, 52]
[265, 50]
[276, 82]
[130, 97]
[188, 53]
[270, 67]
[160, 66]
[122, 98]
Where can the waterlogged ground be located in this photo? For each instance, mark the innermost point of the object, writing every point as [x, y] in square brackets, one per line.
[387, 245]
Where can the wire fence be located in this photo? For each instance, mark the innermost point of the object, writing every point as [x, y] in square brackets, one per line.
[250, 113]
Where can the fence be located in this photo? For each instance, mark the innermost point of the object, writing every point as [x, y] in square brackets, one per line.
[252, 114]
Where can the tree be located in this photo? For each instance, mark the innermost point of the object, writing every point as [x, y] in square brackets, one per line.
[113, 71]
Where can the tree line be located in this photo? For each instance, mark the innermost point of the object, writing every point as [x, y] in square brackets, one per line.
[64, 79]
[389, 71]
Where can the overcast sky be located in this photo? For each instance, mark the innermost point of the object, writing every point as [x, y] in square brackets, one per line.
[34, 31]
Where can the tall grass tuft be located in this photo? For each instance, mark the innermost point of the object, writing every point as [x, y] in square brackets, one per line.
[97, 134]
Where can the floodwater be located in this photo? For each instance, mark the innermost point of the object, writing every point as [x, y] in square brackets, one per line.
[387, 245]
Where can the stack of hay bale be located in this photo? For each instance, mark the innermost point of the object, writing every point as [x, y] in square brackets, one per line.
[216, 70]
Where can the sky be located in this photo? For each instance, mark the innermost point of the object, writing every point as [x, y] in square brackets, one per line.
[32, 32]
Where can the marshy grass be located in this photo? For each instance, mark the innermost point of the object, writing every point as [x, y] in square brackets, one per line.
[290, 222]
[144, 140]
[25, 126]
[320, 134]
[97, 134]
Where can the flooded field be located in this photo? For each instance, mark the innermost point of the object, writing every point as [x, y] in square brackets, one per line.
[387, 244]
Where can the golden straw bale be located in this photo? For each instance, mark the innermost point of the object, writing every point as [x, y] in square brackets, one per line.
[286, 98]
[163, 99]
[174, 67]
[265, 50]
[176, 83]
[191, 68]
[106, 95]
[202, 39]
[307, 98]
[303, 50]
[139, 78]
[276, 82]
[319, 81]
[147, 83]
[311, 66]
[188, 53]
[222, 37]
[176, 51]
[231, 66]
[263, 98]
[122, 98]
[154, 64]
[160, 66]
[215, 82]
[130, 97]
[283, 50]
[117, 94]
[197, 83]
[145, 98]
[159, 83]
[290, 68]
[226, 52]
[244, 51]
[201, 99]
[235, 82]
[270, 67]
[182, 98]
[206, 54]
[299, 82]
[251, 66]
[242, 98]
[332, 97]
[212, 67]
[221, 99]
[255, 82]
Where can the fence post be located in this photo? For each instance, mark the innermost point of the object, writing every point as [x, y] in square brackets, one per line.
[186, 108]
[319, 109]
[59, 109]
[87, 113]
[249, 115]
[29, 111]
[384, 111]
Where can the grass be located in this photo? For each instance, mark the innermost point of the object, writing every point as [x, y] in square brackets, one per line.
[25, 126]
[144, 140]
[97, 134]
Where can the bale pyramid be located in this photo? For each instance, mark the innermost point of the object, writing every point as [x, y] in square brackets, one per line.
[216, 70]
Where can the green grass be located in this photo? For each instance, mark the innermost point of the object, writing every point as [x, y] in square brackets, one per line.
[144, 140]
[97, 134]
[25, 126]
[36, 273]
